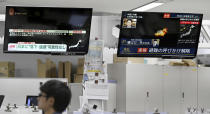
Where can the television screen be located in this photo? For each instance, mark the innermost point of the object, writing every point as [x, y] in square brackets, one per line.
[31, 101]
[47, 30]
[155, 34]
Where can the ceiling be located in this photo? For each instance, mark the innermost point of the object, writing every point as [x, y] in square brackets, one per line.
[186, 6]
[101, 7]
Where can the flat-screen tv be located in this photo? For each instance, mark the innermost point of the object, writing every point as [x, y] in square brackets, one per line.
[159, 34]
[47, 30]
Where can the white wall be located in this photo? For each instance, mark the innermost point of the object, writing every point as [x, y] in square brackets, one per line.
[102, 28]
[108, 22]
[1, 29]
[26, 64]
[96, 25]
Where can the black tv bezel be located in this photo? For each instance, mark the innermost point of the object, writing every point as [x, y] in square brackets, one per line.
[5, 47]
[161, 56]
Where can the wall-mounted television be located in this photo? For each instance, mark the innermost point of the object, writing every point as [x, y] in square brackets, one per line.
[47, 30]
[159, 34]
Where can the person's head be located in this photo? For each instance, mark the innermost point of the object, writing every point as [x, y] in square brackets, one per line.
[54, 95]
[155, 42]
[129, 23]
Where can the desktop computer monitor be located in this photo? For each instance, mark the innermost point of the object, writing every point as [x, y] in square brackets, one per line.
[31, 100]
[1, 99]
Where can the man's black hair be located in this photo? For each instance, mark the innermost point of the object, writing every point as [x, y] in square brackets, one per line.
[59, 91]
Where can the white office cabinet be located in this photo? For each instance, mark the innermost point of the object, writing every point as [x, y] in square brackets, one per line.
[188, 88]
[76, 89]
[153, 80]
[135, 95]
[110, 104]
[141, 84]
[118, 72]
[203, 87]
[172, 89]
